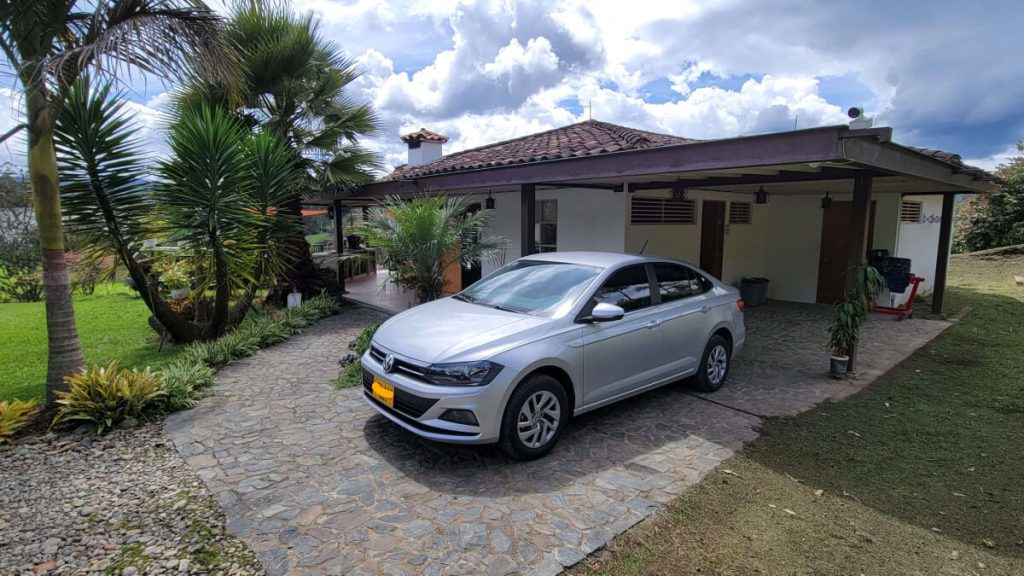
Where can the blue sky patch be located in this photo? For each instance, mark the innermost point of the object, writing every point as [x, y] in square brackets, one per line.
[659, 92]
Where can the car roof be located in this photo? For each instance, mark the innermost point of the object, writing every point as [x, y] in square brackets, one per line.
[587, 258]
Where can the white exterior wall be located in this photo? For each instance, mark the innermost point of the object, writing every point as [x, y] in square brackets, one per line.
[587, 220]
[782, 242]
[920, 243]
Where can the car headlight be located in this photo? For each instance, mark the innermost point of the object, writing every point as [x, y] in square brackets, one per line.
[462, 373]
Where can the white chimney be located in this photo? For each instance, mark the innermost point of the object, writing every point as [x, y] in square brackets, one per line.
[424, 146]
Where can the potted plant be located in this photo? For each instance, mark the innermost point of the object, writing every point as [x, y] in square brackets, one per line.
[850, 314]
[176, 275]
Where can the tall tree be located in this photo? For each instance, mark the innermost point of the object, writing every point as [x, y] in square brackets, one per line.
[296, 88]
[47, 45]
[997, 219]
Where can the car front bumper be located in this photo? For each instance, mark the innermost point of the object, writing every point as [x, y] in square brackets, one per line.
[418, 405]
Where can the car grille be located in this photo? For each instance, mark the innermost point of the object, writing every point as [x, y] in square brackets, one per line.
[408, 368]
[406, 403]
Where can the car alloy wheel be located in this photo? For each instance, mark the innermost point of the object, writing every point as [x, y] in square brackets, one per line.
[535, 416]
[538, 419]
[718, 364]
[714, 365]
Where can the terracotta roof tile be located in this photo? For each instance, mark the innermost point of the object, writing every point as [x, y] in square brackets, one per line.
[424, 135]
[949, 157]
[588, 138]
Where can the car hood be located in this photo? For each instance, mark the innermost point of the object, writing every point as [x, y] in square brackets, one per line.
[449, 330]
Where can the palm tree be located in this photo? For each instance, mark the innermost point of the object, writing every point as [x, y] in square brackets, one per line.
[217, 195]
[296, 83]
[418, 239]
[48, 44]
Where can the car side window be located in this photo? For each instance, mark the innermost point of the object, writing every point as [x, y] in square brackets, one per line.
[702, 281]
[676, 282]
[628, 288]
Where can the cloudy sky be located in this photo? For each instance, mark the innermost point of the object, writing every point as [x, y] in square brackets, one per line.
[943, 74]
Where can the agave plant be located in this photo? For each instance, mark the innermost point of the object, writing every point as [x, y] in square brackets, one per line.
[419, 238]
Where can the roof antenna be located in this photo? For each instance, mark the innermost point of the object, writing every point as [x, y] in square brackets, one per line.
[644, 247]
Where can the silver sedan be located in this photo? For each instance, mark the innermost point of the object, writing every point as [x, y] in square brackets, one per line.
[549, 336]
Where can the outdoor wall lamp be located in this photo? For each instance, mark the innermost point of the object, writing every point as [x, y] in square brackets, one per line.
[826, 202]
[489, 202]
[761, 196]
[678, 190]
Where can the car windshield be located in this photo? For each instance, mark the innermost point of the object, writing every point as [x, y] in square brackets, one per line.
[532, 287]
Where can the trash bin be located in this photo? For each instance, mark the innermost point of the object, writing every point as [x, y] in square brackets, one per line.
[754, 291]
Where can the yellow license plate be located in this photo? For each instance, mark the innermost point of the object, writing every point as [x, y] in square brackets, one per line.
[384, 392]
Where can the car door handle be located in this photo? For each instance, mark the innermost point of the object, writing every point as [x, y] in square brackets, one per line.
[653, 324]
[705, 309]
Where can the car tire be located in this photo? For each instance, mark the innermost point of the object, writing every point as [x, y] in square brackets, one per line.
[714, 365]
[546, 397]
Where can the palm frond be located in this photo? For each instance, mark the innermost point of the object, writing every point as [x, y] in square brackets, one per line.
[203, 194]
[417, 239]
[106, 197]
[169, 38]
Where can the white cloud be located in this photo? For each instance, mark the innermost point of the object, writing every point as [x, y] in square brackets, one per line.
[995, 160]
[485, 70]
[13, 152]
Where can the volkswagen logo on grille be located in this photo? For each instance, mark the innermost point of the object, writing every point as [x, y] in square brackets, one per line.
[389, 363]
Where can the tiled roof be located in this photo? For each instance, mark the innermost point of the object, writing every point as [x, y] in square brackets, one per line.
[949, 157]
[955, 160]
[424, 135]
[588, 138]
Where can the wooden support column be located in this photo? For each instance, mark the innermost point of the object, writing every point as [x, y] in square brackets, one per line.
[858, 244]
[528, 202]
[339, 242]
[942, 256]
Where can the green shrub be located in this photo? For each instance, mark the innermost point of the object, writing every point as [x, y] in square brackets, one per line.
[13, 415]
[106, 395]
[85, 274]
[257, 333]
[182, 384]
[352, 373]
[362, 342]
[267, 331]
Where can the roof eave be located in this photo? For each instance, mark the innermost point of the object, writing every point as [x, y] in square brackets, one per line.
[801, 146]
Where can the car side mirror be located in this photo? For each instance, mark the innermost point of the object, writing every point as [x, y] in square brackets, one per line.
[605, 312]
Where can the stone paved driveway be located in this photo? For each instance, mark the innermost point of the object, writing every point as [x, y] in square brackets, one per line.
[316, 482]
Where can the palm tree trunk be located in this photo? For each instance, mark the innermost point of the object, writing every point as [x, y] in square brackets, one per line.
[222, 299]
[64, 349]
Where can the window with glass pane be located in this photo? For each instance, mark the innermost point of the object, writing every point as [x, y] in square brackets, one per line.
[546, 238]
[675, 282]
[627, 288]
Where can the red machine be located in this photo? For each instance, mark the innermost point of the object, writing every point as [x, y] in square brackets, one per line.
[907, 309]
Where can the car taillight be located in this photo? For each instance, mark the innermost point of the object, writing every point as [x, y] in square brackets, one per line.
[739, 304]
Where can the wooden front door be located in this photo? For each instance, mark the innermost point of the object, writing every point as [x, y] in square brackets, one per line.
[835, 251]
[712, 237]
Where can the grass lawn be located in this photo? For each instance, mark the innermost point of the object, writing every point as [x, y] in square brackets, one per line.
[922, 473]
[111, 323]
